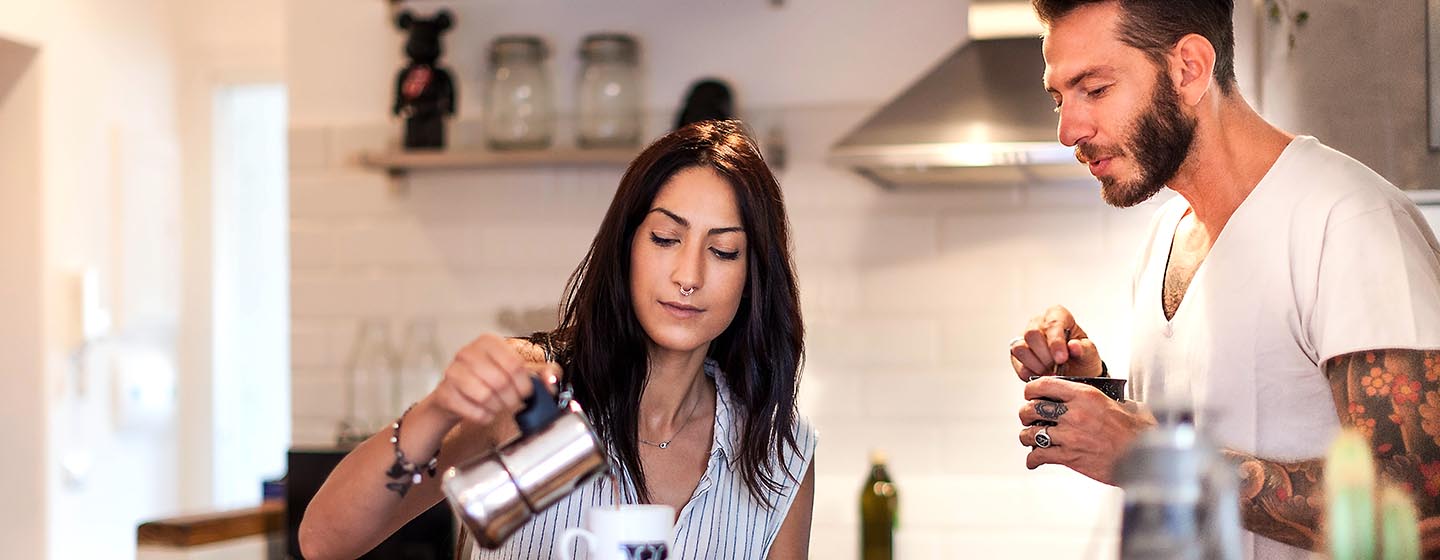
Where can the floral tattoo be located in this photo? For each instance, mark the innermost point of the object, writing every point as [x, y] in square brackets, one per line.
[1392, 398]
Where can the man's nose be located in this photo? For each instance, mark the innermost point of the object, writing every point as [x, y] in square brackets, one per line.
[1075, 126]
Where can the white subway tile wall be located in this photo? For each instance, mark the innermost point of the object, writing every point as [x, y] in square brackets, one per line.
[909, 298]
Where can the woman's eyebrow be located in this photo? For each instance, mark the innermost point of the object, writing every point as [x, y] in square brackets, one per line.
[686, 223]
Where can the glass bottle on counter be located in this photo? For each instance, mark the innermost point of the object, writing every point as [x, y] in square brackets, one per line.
[609, 95]
[370, 377]
[519, 107]
[422, 363]
[879, 512]
[1181, 495]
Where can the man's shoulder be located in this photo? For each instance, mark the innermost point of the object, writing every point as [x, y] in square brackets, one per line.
[1331, 187]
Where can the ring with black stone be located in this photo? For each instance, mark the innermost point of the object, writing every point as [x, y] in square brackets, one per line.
[1042, 439]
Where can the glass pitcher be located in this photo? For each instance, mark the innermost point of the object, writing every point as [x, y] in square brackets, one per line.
[422, 363]
[369, 382]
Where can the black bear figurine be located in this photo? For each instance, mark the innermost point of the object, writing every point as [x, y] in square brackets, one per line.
[424, 92]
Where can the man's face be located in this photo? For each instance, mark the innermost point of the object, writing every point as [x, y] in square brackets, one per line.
[1120, 112]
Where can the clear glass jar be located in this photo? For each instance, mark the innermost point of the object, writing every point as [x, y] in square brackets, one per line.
[422, 362]
[519, 106]
[369, 384]
[609, 95]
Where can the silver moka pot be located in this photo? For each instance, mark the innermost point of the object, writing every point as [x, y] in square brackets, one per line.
[557, 451]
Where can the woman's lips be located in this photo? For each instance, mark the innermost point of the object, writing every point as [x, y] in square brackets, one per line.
[680, 310]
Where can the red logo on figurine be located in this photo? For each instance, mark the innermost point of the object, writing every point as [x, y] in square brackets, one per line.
[416, 81]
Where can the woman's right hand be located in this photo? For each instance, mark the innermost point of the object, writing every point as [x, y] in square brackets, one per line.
[487, 380]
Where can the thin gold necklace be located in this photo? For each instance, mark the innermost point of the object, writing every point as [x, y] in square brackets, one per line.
[666, 444]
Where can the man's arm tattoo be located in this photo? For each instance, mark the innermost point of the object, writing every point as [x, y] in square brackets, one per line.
[1282, 501]
[1392, 398]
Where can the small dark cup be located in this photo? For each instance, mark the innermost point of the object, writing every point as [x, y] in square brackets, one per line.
[1111, 386]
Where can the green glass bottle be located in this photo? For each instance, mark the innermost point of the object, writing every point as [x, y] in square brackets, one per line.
[879, 512]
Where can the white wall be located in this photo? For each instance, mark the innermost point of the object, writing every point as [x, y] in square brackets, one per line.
[22, 523]
[808, 52]
[95, 447]
[1356, 79]
[108, 156]
[909, 296]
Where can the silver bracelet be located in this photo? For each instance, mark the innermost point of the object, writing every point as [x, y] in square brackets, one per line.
[402, 468]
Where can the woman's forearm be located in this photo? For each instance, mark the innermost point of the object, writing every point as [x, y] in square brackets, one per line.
[355, 510]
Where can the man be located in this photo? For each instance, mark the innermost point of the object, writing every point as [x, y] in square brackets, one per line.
[1287, 292]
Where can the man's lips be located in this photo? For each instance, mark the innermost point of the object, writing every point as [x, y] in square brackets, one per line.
[1098, 166]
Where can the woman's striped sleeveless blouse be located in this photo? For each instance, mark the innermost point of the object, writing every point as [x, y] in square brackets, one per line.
[721, 520]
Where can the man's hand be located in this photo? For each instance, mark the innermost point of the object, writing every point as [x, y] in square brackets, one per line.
[1090, 431]
[1052, 341]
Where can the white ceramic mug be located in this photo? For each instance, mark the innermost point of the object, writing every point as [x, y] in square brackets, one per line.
[631, 532]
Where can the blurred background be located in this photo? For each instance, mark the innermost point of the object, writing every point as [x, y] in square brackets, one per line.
[211, 240]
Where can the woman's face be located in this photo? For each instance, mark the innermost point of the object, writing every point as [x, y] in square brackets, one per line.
[688, 260]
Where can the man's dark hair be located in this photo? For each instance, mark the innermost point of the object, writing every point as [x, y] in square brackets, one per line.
[1154, 26]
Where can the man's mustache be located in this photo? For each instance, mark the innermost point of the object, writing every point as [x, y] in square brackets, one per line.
[1086, 153]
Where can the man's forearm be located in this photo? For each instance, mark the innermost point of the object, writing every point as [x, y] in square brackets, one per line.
[1282, 501]
[1390, 397]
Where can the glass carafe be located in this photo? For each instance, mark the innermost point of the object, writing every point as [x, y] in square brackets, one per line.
[369, 383]
[519, 107]
[609, 95]
[422, 362]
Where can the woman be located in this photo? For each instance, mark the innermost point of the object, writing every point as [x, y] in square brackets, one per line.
[681, 337]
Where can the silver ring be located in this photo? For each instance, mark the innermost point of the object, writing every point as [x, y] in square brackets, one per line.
[686, 293]
[1042, 439]
[1014, 340]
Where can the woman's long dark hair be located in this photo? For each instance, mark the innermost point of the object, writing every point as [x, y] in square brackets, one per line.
[603, 348]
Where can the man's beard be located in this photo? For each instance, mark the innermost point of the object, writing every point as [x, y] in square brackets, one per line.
[1159, 145]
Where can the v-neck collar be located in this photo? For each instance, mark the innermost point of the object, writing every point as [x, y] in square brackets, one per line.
[1224, 234]
[1199, 268]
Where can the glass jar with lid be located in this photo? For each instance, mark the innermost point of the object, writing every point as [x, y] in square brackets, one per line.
[609, 94]
[519, 106]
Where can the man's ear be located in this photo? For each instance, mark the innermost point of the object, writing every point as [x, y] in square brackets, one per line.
[1192, 67]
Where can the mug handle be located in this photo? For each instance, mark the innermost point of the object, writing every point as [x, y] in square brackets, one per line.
[573, 533]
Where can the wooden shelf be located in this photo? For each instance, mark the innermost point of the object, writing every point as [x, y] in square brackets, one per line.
[401, 162]
[196, 530]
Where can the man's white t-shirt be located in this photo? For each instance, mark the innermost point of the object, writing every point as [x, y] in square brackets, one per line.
[1323, 258]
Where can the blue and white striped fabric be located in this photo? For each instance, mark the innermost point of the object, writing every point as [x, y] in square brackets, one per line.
[721, 520]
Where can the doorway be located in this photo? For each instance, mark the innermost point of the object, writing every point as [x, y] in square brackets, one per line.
[250, 291]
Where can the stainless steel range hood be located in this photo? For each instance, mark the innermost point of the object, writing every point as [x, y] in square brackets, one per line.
[980, 116]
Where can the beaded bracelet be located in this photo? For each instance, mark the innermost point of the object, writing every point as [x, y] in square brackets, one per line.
[403, 469]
